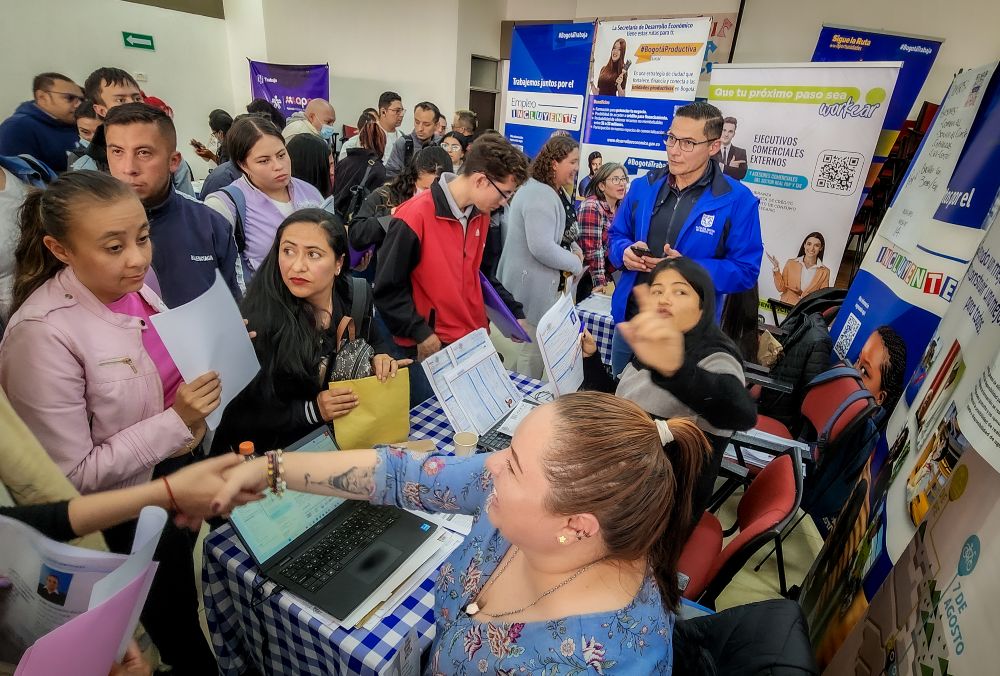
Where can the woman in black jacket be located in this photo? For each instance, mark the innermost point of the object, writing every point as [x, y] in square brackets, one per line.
[295, 303]
[684, 365]
[360, 171]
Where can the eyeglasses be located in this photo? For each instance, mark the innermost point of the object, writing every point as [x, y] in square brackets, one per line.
[66, 95]
[687, 145]
[504, 195]
[451, 147]
[396, 111]
[618, 180]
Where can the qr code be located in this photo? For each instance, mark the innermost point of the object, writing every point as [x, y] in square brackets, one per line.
[838, 172]
[847, 335]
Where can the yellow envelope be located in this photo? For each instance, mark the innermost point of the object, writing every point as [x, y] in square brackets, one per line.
[382, 415]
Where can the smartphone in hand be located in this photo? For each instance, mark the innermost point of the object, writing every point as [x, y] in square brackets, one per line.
[639, 251]
[198, 145]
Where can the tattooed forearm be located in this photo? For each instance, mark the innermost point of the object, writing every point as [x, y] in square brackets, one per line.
[357, 483]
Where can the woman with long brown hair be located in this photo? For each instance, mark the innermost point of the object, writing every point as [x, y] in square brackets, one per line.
[574, 566]
[540, 241]
[613, 77]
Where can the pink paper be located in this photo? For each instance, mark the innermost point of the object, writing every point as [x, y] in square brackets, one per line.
[89, 643]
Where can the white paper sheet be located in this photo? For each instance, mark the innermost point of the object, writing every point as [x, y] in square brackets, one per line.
[927, 178]
[597, 303]
[559, 342]
[208, 334]
[85, 579]
[471, 383]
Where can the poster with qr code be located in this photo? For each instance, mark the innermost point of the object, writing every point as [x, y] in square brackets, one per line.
[801, 138]
[838, 172]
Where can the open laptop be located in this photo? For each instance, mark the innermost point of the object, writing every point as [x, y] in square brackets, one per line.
[331, 552]
[498, 437]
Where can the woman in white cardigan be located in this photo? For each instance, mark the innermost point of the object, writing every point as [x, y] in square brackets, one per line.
[540, 241]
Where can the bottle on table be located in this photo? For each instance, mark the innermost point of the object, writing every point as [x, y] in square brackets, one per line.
[247, 451]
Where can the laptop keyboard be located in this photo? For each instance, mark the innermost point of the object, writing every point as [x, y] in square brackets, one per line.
[328, 556]
[494, 440]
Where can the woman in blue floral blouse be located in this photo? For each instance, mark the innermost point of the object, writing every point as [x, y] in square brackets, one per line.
[574, 568]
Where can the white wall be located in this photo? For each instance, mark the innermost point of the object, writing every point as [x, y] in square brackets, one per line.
[246, 38]
[782, 31]
[478, 33]
[189, 69]
[786, 30]
[406, 47]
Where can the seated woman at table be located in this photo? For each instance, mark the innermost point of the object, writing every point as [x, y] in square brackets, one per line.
[572, 558]
[684, 365]
[296, 304]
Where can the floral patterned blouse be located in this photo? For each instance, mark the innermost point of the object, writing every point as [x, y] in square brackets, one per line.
[633, 640]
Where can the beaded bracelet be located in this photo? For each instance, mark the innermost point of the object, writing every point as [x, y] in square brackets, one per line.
[276, 472]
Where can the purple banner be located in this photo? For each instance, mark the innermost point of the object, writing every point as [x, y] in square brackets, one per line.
[289, 88]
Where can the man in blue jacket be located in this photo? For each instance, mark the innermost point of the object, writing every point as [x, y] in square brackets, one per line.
[691, 209]
[190, 241]
[44, 128]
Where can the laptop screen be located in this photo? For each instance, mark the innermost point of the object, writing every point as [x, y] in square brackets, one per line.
[269, 525]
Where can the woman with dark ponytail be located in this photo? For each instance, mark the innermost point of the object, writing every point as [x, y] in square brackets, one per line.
[86, 371]
[571, 565]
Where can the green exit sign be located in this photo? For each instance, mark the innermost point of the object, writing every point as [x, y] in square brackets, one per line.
[138, 40]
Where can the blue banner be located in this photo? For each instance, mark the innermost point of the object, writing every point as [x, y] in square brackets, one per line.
[547, 83]
[976, 180]
[917, 54]
[289, 88]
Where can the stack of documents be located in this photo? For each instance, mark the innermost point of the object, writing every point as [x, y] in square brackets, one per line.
[72, 610]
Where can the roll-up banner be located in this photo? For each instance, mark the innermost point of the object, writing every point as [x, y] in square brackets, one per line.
[932, 277]
[801, 137]
[641, 72]
[547, 85]
[289, 88]
[915, 52]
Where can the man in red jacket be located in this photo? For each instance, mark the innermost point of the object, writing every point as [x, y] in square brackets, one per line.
[427, 286]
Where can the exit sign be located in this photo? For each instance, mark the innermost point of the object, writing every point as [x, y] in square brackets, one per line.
[138, 40]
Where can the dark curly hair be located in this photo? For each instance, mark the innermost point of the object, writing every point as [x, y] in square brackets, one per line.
[894, 366]
[556, 149]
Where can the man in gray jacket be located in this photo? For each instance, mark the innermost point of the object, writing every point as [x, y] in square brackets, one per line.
[425, 117]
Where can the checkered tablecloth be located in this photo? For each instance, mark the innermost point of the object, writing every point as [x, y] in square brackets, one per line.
[282, 635]
[602, 326]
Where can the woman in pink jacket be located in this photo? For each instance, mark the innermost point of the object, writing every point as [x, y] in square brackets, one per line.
[84, 368]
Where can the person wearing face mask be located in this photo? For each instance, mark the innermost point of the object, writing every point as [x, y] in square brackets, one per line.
[540, 246]
[266, 194]
[684, 365]
[87, 123]
[296, 304]
[317, 119]
[86, 371]
[604, 193]
[572, 558]
[360, 172]
[425, 118]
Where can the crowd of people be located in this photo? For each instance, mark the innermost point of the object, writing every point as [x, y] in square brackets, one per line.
[101, 228]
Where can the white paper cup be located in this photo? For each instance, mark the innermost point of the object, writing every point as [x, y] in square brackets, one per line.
[465, 443]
